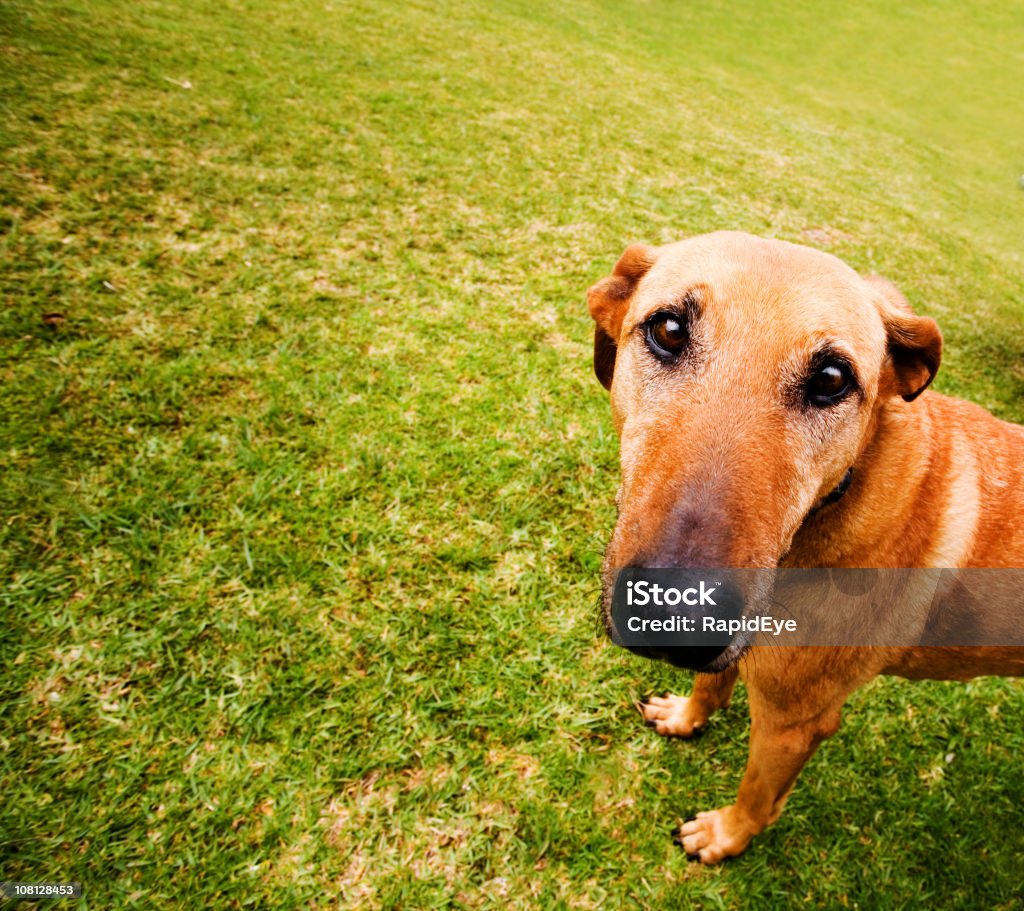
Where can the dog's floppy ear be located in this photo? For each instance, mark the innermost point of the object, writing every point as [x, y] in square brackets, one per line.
[608, 301]
[915, 342]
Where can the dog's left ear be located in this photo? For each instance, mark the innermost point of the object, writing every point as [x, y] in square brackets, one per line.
[915, 342]
[608, 301]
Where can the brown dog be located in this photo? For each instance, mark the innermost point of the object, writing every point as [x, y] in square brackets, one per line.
[748, 377]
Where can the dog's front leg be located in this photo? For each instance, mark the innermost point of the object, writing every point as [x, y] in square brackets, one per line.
[780, 745]
[684, 716]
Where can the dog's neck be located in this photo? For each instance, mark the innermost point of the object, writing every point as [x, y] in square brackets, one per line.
[878, 515]
[836, 494]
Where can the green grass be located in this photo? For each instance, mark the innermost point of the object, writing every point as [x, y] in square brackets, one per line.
[305, 477]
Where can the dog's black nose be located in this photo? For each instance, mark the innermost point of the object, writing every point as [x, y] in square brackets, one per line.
[687, 617]
[691, 657]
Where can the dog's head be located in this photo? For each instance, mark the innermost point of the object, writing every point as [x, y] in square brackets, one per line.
[746, 378]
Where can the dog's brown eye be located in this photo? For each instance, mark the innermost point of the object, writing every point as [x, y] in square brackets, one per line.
[828, 384]
[666, 335]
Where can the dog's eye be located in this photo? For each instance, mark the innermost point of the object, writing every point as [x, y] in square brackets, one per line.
[829, 384]
[666, 334]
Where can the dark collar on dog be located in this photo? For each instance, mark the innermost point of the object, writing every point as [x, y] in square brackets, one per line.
[836, 493]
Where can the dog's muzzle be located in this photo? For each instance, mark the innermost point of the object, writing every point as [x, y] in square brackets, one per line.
[686, 617]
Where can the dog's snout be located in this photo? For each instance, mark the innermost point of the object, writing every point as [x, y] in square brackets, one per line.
[691, 535]
[690, 657]
[686, 617]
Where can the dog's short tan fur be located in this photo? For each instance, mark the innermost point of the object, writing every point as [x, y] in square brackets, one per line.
[937, 481]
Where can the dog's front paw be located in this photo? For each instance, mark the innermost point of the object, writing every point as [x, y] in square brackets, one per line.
[715, 835]
[673, 716]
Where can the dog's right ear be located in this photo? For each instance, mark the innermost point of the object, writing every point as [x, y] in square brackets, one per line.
[915, 342]
[608, 301]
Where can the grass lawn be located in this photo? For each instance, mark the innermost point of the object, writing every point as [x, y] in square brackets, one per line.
[306, 478]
